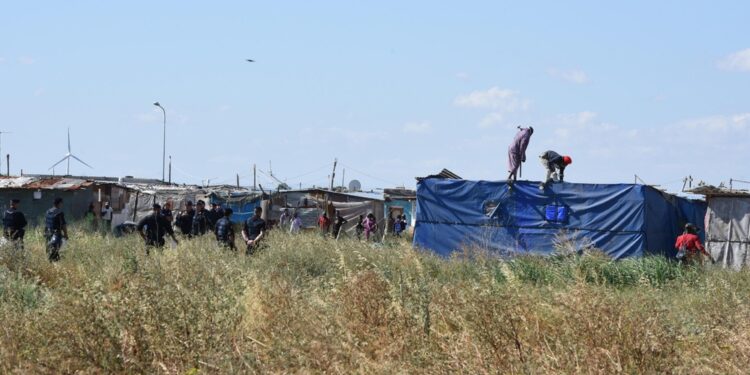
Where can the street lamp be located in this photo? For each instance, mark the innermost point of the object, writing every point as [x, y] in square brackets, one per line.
[164, 146]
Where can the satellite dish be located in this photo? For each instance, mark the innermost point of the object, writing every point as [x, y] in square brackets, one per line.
[355, 185]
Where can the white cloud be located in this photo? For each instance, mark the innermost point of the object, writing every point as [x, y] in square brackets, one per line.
[576, 76]
[494, 98]
[491, 120]
[738, 61]
[718, 124]
[26, 60]
[422, 127]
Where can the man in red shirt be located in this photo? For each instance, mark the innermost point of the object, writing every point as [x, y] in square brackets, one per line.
[691, 245]
[324, 223]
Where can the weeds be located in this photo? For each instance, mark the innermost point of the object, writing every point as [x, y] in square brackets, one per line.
[308, 304]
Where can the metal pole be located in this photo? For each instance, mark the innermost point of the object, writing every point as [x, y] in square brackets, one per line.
[255, 186]
[164, 142]
[333, 174]
[170, 169]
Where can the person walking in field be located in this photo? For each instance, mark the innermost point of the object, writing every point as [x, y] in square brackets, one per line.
[360, 228]
[340, 221]
[106, 214]
[554, 164]
[689, 247]
[224, 230]
[55, 230]
[296, 224]
[324, 223]
[152, 228]
[201, 220]
[184, 219]
[14, 224]
[253, 231]
[517, 151]
[370, 225]
[284, 219]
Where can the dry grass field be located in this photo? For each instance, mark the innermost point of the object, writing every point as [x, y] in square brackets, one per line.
[312, 305]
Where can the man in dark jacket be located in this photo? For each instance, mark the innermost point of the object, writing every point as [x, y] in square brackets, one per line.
[184, 220]
[14, 224]
[201, 220]
[554, 164]
[156, 226]
[253, 231]
[224, 230]
[55, 230]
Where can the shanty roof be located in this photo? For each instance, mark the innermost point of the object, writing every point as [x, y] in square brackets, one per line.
[713, 191]
[443, 174]
[47, 183]
[400, 193]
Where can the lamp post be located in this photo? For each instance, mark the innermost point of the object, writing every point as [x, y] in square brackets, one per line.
[164, 146]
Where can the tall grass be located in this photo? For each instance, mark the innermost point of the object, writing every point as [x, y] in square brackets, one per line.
[311, 304]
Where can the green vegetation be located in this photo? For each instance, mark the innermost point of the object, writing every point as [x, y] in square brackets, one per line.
[309, 304]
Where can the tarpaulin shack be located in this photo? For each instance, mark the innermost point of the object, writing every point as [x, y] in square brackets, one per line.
[727, 223]
[37, 194]
[623, 220]
[311, 203]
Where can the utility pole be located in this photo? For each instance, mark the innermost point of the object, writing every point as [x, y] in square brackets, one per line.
[7, 165]
[333, 174]
[1, 147]
[343, 174]
[255, 186]
[238, 180]
[170, 169]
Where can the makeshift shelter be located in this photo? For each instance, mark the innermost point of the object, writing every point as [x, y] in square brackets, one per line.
[728, 225]
[37, 193]
[623, 220]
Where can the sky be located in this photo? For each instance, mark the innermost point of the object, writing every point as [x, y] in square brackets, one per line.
[392, 89]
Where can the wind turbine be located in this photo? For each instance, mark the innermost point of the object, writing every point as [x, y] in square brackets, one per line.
[68, 156]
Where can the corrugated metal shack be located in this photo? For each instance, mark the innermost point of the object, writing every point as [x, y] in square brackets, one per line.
[727, 225]
[37, 194]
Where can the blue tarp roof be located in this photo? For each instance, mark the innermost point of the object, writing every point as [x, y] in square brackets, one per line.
[621, 219]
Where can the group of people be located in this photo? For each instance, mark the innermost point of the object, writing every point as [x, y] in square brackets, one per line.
[55, 227]
[198, 221]
[554, 163]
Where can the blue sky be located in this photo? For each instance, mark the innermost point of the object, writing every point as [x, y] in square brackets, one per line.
[393, 90]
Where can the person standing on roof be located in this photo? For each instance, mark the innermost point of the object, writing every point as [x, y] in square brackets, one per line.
[55, 230]
[224, 230]
[554, 164]
[689, 247]
[517, 151]
[14, 224]
[156, 226]
[201, 220]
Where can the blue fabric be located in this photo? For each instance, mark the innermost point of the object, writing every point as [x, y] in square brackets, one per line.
[623, 220]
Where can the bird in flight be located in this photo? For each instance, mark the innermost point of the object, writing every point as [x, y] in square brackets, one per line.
[248, 60]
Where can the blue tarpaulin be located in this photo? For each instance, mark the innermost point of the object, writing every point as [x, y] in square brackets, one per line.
[623, 220]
